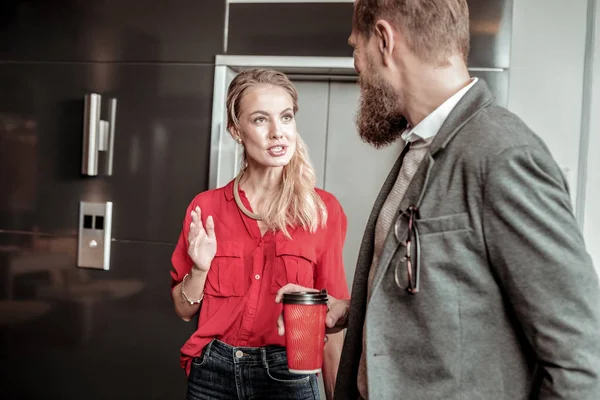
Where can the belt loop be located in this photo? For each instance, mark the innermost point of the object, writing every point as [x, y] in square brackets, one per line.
[263, 353]
[208, 347]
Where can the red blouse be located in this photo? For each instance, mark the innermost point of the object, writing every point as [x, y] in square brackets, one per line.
[239, 294]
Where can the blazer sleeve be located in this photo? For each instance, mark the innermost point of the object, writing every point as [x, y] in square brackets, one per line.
[538, 253]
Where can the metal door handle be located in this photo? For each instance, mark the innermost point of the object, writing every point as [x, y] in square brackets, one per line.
[98, 135]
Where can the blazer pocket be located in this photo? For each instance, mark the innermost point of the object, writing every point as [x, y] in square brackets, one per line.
[226, 276]
[446, 223]
[294, 263]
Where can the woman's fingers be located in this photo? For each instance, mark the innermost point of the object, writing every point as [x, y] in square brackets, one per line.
[210, 228]
[196, 227]
[197, 219]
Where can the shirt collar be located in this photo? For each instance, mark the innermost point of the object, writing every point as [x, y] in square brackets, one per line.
[431, 124]
[229, 190]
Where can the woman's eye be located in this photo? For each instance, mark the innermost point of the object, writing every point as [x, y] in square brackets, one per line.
[259, 120]
[287, 118]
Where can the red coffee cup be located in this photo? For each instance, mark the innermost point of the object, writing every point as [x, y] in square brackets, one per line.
[304, 319]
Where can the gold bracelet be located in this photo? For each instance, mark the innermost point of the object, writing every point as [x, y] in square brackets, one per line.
[185, 296]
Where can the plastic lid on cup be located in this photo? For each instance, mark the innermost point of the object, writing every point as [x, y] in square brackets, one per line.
[309, 298]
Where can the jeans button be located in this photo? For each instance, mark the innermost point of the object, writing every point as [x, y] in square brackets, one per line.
[239, 354]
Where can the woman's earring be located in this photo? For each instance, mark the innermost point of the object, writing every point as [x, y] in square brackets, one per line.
[239, 140]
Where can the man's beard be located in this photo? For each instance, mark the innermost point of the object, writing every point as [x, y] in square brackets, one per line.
[379, 122]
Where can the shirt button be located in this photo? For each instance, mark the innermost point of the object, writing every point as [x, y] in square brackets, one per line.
[257, 276]
[250, 312]
[239, 354]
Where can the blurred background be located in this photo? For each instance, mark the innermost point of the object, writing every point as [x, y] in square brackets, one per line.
[85, 307]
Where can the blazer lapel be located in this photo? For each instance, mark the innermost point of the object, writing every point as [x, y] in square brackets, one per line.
[477, 98]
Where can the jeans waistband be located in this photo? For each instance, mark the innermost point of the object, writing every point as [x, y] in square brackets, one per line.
[246, 355]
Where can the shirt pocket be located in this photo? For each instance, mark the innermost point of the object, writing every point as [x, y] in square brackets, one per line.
[294, 263]
[226, 276]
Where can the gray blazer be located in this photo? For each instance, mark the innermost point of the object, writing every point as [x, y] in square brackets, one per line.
[509, 306]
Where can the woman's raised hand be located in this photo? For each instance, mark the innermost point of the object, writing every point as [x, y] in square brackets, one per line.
[202, 242]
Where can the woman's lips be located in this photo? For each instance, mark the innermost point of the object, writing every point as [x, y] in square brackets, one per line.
[277, 151]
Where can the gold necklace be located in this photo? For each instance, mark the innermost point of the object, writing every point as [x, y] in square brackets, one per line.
[238, 201]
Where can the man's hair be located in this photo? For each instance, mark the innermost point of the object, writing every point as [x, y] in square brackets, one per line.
[434, 29]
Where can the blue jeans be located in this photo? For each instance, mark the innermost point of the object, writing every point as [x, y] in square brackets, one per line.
[223, 372]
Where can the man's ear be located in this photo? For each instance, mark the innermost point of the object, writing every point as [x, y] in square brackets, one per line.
[384, 34]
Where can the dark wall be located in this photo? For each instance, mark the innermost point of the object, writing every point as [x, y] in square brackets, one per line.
[71, 333]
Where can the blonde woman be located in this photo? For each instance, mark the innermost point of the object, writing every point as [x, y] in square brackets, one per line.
[242, 242]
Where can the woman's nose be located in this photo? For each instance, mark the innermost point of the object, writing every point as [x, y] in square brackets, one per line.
[276, 131]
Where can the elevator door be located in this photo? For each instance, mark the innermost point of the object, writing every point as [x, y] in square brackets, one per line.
[350, 169]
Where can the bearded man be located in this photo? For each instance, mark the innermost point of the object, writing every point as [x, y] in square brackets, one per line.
[472, 281]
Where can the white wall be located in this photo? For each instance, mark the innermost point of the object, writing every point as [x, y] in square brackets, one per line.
[547, 79]
[591, 226]
[546, 75]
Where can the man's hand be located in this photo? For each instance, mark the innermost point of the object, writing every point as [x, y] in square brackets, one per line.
[337, 310]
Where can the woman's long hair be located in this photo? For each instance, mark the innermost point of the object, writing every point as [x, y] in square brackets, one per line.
[294, 203]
